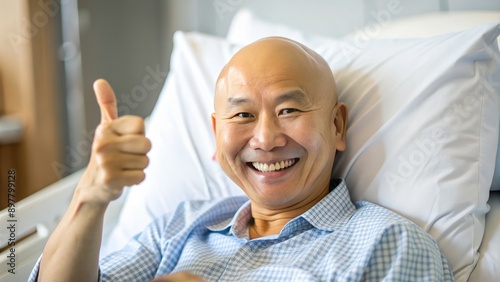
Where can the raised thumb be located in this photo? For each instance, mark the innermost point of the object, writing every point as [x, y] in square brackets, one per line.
[106, 100]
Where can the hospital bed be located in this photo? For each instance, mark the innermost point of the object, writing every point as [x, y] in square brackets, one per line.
[424, 99]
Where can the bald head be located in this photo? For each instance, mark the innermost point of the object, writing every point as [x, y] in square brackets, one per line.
[282, 58]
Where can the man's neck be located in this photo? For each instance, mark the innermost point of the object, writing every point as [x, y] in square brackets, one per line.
[271, 221]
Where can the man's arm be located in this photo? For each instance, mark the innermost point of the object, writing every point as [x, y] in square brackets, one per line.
[118, 159]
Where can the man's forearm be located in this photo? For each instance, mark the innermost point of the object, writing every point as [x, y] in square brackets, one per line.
[72, 252]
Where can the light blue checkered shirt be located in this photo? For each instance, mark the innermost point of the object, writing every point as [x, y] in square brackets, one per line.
[333, 241]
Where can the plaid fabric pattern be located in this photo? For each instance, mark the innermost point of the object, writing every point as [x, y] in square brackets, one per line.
[335, 240]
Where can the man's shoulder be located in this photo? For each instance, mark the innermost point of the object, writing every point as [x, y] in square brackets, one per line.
[369, 209]
[377, 219]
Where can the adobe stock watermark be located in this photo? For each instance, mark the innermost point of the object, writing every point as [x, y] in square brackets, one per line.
[29, 28]
[77, 156]
[372, 29]
[426, 146]
[74, 157]
[222, 7]
[151, 81]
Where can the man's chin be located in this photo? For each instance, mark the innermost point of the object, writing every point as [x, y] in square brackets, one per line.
[277, 199]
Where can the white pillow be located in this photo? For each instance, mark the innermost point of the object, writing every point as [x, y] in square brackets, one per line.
[424, 25]
[397, 88]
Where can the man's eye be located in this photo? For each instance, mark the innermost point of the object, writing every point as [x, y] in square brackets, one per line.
[244, 115]
[288, 111]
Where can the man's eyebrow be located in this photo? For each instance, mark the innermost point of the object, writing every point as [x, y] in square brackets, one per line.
[233, 103]
[295, 95]
[237, 101]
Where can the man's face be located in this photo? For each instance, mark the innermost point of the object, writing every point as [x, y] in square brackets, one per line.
[276, 128]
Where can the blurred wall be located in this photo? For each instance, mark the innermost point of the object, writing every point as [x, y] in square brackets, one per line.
[128, 42]
[122, 41]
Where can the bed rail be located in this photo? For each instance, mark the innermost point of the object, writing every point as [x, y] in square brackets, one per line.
[25, 228]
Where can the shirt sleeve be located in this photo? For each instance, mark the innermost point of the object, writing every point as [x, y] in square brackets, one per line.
[407, 253]
[34, 273]
[36, 269]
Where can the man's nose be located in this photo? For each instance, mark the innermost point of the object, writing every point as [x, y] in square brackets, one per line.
[267, 134]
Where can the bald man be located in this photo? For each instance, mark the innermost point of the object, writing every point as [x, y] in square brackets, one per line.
[278, 125]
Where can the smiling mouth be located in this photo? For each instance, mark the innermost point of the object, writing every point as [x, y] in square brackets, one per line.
[270, 167]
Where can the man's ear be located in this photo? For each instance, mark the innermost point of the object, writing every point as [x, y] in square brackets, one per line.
[214, 123]
[340, 122]
[214, 127]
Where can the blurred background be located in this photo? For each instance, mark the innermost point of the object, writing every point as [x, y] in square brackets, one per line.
[51, 51]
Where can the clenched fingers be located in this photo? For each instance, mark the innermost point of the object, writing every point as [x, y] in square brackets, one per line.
[128, 125]
[111, 137]
[134, 144]
[116, 180]
[122, 161]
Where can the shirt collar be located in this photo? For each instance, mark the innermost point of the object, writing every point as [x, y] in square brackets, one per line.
[238, 224]
[333, 211]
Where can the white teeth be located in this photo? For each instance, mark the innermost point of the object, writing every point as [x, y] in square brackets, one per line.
[263, 167]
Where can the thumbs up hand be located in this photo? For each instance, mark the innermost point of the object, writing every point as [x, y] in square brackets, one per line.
[118, 156]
